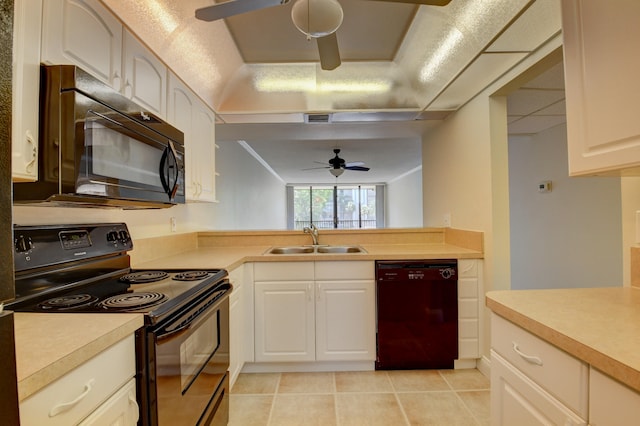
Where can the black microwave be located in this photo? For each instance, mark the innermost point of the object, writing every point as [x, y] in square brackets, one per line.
[98, 148]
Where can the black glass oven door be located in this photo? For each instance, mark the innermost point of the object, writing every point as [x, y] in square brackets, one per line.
[191, 364]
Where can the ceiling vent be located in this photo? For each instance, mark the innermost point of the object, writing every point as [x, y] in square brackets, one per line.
[317, 118]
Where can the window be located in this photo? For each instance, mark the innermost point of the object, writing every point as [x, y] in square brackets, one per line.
[337, 207]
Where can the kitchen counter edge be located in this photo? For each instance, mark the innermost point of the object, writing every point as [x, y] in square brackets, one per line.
[596, 325]
[48, 346]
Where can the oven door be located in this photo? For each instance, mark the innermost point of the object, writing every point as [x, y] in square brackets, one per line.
[191, 363]
[124, 159]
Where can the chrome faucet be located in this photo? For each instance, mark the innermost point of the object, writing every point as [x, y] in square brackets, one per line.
[313, 231]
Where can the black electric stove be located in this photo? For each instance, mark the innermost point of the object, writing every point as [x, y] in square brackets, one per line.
[86, 268]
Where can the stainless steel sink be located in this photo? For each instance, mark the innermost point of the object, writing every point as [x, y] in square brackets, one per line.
[340, 249]
[291, 250]
[316, 249]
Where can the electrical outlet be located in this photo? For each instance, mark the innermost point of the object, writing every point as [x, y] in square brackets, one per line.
[172, 221]
[446, 220]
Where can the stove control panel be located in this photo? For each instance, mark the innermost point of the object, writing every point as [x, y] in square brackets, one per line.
[40, 246]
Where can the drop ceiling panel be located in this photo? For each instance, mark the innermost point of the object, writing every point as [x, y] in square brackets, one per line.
[482, 72]
[550, 79]
[528, 101]
[534, 124]
[536, 25]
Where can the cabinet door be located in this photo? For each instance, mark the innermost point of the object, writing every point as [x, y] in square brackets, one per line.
[601, 43]
[120, 409]
[516, 400]
[203, 160]
[345, 321]
[26, 83]
[610, 402]
[236, 328]
[145, 76]
[83, 33]
[284, 321]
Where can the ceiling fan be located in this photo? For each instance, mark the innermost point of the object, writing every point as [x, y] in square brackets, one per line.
[337, 165]
[319, 19]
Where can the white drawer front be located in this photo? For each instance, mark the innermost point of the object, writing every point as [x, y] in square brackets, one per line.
[283, 271]
[90, 384]
[556, 371]
[467, 268]
[345, 270]
[516, 400]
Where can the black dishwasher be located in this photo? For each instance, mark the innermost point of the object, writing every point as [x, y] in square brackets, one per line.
[417, 314]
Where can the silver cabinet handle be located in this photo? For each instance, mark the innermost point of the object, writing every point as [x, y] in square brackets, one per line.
[65, 406]
[529, 358]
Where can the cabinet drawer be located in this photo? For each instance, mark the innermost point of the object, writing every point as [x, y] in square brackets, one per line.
[610, 402]
[516, 400]
[283, 271]
[559, 373]
[96, 379]
[345, 270]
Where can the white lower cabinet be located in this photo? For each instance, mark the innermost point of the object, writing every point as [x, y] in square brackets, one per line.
[285, 321]
[101, 391]
[517, 400]
[119, 410]
[314, 311]
[236, 324]
[610, 402]
[534, 382]
[345, 320]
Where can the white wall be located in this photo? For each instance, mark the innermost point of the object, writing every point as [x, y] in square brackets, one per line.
[569, 237]
[250, 196]
[403, 199]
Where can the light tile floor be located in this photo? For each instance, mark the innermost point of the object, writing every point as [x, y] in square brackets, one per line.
[367, 398]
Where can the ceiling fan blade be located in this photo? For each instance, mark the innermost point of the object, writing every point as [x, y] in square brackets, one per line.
[329, 52]
[316, 168]
[357, 168]
[234, 7]
[354, 163]
[422, 2]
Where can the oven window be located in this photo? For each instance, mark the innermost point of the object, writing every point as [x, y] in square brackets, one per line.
[114, 154]
[196, 350]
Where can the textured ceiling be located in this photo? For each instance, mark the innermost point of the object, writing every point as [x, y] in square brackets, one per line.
[400, 63]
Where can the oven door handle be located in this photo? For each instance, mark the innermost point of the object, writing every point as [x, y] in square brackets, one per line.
[194, 314]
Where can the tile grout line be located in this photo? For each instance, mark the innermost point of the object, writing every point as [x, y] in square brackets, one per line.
[273, 401]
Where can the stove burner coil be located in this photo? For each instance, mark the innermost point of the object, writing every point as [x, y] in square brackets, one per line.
[191, 275]
[68, 302]
[144, 277]
[130, 301]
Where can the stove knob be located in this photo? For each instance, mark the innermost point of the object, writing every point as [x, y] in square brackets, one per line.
[23, 244]
[112, 236]
[124, 236]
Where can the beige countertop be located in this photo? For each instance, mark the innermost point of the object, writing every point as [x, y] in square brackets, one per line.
[50, 345]
[600, 326]
[234, 256]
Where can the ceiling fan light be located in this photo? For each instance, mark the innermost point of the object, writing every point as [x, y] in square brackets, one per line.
[317, 18]
[336, 172]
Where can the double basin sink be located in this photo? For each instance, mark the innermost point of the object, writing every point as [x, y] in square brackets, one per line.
[316, 249]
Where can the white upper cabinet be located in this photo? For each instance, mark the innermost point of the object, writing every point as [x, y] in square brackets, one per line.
[86, 34]
[202, 158]
[25, 93]
[145, 76]
[601, 44]
[189, 114]
[83, 33]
